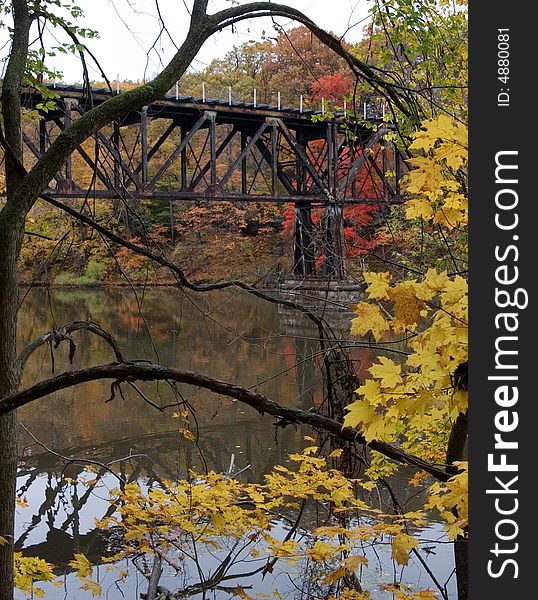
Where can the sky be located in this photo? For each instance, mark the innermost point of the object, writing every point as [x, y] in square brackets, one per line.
[128, 29]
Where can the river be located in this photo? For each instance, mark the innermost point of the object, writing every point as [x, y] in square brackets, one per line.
[227, 335]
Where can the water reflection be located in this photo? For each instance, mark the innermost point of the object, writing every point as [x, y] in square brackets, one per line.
[226, 335]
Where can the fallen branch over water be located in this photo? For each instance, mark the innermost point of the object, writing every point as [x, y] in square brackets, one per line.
[143, 371]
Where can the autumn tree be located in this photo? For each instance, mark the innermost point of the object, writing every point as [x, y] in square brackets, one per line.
[288, 62]
[421, 47]
[241, 69]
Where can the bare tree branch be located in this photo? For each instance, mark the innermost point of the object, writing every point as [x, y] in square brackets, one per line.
[63, 333]
[143, 371]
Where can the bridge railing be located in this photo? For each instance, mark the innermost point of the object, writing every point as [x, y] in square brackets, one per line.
[366, 107]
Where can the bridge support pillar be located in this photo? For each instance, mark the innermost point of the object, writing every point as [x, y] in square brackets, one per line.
[303, 255]
[334, 246]
[70, 104]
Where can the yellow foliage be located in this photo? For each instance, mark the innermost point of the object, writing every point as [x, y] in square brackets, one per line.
[436, 180]
[352, 563]
[408, 307]
[402, 592]
[387, 372]
[82, 565]
[240, 593]
[373, 422]
[402, 544]
[378, 285]
[335, 575]
[217, 510]
[450, 499]
[348, 594]
[28, 571]
[415, 401]
[187, 434]
[370, 318]
[84, 571]
[371, 392]
[418, 208]
[91, 586]
[418, 397]
[322, 551]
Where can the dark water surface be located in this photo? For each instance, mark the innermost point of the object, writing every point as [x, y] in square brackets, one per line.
[226, 335]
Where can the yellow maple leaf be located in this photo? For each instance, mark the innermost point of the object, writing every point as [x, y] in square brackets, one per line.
[256, 496]
[402, 592]
[402, 544]
[374, 424]
[449, 217]
[378, 285]
[427, 178]
[457, 201]
[451, 499]
[407, 308]
[439, 128]
[322, 551]
[436, 280]
[359, 412]
[335, 576]
[336, 453]
[352, 563]
[322, 531]
[187, 434]
[82, 565]
[458, 403]
[91, 586]
[453, 154]
[371, 392]
[454, 290]
[387, 371]
[283, 549]
[417, 208]
[370, 318]
[425, 595]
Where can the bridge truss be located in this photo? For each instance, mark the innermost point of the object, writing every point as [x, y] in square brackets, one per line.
[184, 149]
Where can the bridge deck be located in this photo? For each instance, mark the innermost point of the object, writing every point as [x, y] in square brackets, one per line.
[185, 109]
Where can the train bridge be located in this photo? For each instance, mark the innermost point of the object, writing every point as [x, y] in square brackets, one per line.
[213, 150]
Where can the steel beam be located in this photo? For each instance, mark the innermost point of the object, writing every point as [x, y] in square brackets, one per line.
[178, 150]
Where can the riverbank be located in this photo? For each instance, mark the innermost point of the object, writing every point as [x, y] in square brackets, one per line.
[254, 247]
[204, 256]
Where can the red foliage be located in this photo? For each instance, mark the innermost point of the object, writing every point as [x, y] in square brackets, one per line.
[357, 217]
[333, 87]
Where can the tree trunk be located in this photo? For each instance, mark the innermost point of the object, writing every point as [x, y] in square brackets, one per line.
[455, 452]
[9, 381]
[11, 233]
